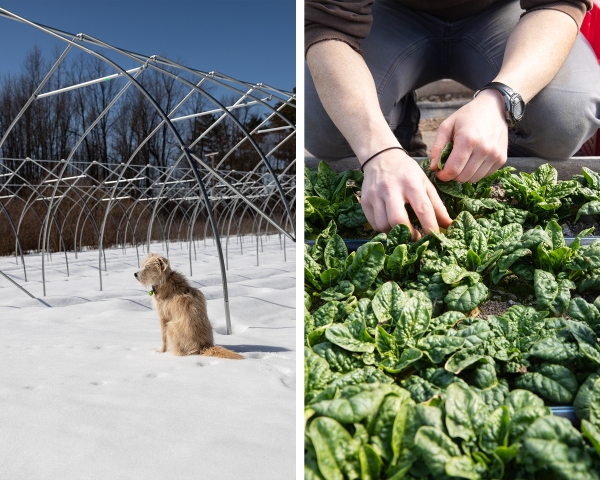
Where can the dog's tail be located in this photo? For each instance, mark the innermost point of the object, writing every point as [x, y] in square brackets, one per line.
[222, 352]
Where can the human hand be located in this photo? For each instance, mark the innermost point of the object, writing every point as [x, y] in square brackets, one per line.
[393, 179]
[480, 136]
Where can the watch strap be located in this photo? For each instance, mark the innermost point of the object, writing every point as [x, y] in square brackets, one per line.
[507, 94]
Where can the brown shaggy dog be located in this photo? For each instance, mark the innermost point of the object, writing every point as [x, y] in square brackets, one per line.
[181, 309]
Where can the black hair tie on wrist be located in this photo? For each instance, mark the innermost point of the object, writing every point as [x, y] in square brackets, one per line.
[384, 150]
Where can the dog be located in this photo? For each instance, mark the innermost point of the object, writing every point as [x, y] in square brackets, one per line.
[181, 309]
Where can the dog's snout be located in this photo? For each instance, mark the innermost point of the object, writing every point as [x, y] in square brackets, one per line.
[135, 274]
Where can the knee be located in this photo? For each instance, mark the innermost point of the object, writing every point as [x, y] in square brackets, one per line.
[556, 129]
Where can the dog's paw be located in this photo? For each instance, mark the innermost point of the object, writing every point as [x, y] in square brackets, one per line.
[159, 350]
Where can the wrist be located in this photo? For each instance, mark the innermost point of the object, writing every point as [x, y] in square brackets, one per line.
[493, 100]
[379, 153]
[385, 158]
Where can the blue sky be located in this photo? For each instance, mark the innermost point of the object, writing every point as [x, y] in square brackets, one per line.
[251, 40]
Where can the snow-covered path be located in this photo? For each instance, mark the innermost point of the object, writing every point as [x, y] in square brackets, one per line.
[83, 395]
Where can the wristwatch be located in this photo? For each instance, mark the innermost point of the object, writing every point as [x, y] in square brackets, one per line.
[514, 104]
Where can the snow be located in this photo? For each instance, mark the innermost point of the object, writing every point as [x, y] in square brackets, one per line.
[84, 395]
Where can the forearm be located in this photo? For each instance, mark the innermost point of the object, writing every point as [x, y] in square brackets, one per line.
[535, 51]
[348, 94]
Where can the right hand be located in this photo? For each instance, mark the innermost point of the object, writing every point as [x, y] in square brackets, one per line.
[393, 179]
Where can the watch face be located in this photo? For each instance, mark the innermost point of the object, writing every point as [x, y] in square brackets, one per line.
[518, 107]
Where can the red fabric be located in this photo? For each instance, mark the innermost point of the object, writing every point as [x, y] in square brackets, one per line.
[590, 28]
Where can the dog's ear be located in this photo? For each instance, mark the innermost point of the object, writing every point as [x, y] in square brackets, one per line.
[163, 263]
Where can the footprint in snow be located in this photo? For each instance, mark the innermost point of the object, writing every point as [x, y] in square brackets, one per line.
[207, 363]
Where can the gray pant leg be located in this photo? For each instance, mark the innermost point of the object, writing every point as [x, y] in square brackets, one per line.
[400, 52]
[406, 50]
[566, 113]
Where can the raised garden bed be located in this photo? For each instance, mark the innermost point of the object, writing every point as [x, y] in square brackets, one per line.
[405, 377]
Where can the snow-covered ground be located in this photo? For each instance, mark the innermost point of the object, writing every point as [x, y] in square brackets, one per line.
[83, 394]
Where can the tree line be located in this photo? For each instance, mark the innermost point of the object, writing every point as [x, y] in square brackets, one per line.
[53, 126]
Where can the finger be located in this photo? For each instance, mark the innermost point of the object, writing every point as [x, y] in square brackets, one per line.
[441, 213]
[458, 159]
[493, 167]
[485, 169]
[421, 205]
[472, 167]
[368, 211]
[397, 215]
[380, 215]
[442, 137]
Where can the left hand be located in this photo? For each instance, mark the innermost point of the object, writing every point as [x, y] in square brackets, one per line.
[480, 135]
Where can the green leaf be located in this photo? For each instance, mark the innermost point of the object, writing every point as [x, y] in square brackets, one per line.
[352, 218]
[552, 444]
[466, 412]
[404, 429]
[463, 358]
[357, 376]
[551, 294]
[351, 336]
[344, 289]
[554, 231]
[588, 260]
[395, 365]
[329, 277]
[592, 433]
[413, 322]
[582, 402]
[545, 175]
[506, 261]
[398, 235]
[594, 404]
[583, 311]
[593, 179]
[562, 189]
[436, 347]
[335, 253]
[454, 273]
[382, 425]
[336, 453]
[356, 407]
[388, 302]
[317, 210]
[448, 318]
[326, 181]
[420, 389]
[473, 261]
[325, 314]
[397, 261]
[463, 467]
[366, 265]
[590, 208]
[385, 343]
[518, 400]
[436, 448]
[496, 429]
[455, 189]
[465, 298]
[316, 371]
[444, 155]
[318, 250]
[553, 382]
[370, 463]
[555, 350]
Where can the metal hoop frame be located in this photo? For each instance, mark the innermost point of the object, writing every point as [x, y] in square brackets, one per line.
[178, 195]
